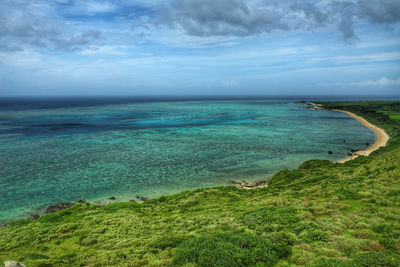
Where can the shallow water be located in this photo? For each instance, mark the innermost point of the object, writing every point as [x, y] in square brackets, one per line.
[94, 151]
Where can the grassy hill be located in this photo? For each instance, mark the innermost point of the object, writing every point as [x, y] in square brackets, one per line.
[322, 214]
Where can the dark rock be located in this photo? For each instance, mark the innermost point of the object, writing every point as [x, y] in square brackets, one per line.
[81, 201]
[34, 216]
[142, 198]
[344, 141]
[57, 207]
[367, 144]
[354, 150]
[112, 198]
[330, 152]
[349, 154]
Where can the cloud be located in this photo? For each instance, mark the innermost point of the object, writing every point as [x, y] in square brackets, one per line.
[380, 82]
[365, 58]
[230, 84]
[26, 24]
[102, 50]
[8, 48]
[222, 17]
[383, 11]
[253, 17]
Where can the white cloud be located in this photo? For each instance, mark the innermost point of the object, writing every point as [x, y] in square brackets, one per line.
[380, 82]
[103, 50]
[230, 84]
[375, 57]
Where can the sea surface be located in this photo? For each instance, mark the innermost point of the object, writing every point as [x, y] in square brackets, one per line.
[65, 150]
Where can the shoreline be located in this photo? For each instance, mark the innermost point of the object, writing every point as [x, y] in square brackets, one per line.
[381, 141]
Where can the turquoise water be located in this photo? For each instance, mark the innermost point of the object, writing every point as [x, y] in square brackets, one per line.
[57, 153]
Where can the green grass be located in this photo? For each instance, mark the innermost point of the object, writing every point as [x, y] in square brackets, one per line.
[321, 214]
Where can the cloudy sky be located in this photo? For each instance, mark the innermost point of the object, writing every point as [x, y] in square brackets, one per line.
[199, 47]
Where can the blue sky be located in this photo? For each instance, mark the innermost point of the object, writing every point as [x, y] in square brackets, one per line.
[199, 47]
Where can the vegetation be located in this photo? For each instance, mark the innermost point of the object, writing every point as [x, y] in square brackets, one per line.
[321, 214]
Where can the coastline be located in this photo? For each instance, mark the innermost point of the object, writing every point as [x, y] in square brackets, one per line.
[381, 141]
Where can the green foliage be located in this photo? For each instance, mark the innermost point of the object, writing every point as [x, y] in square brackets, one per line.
[314, 235]
[347, 194]
[368, 259]
[51, 218]
[285, 177]
[168, 242]
[312, 164]
[376, 259]
[227, 249]
[20, 222]
[270, 219]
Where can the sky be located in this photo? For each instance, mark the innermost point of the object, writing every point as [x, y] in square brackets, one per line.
[199, 47]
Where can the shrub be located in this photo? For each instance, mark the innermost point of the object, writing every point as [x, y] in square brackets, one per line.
[282, 241]
[347, 194]
[36, 256]
[20, 222]
[162, 199]
[376, 259]
[225, 249]
[368, 259]
[304, 226]
[284, 177]
[382, 228]
[168, 242]
[271, 218]
[332, 263]
[315, 235]
[50, 218]
[311, 164]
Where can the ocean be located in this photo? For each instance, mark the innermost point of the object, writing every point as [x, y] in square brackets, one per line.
[60, 150]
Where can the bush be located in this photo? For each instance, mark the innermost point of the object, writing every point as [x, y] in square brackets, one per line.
[368, 259]
[225, 249]
[311, 164]
[382, 228]
[315, 235]
[20, 222]
[50, 218]
[376, 259]
[271, 218]
[285, 177]
[168, 242]
[347, 194]
[332, 263]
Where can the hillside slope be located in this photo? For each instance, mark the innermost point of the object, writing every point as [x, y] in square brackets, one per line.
[322, 214]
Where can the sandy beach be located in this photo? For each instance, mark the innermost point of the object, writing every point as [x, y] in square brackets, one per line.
[382, 137]
[381, 140]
